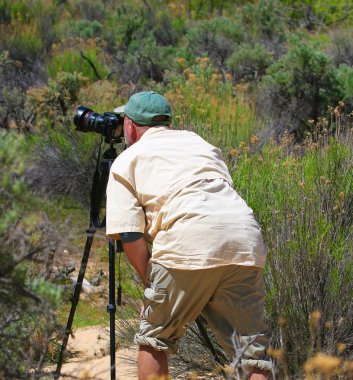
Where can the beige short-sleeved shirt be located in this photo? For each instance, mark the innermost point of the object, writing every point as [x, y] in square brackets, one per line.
[175, 187]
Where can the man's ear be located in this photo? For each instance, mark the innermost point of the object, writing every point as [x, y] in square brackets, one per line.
[133, 132]
[130, 131]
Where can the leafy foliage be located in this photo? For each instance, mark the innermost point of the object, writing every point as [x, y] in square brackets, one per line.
[315, 14]
[139, 52]
[27, 320]
[302, 197]
[75, 61]
[63, 161]
[215, 38]
[23, 33]
[249, 62]
[345, 79]
[229, 69]
[341, 49]
[52, 104]
[266, 21]
[298, 88]
[219, 116]
[85, 29]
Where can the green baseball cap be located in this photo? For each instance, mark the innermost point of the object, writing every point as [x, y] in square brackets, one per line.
[147, 108]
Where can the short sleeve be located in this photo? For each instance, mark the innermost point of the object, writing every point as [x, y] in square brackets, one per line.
[124, 212]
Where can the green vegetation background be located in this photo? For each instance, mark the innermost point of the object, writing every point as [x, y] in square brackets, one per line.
[270, 82]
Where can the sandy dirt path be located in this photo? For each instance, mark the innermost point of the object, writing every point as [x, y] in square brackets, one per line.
[89, 351]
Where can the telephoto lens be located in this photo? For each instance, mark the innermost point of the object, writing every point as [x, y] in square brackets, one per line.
[110, 124]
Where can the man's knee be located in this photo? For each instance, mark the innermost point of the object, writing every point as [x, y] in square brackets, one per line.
[152, 362]
[152, 351]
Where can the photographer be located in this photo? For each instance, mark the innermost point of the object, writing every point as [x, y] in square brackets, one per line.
[172, 189]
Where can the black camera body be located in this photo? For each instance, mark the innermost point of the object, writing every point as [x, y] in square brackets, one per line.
[109, 125]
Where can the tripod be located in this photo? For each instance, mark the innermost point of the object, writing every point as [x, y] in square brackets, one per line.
[100, 180]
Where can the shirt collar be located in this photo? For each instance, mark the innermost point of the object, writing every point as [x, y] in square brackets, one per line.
[153, 130]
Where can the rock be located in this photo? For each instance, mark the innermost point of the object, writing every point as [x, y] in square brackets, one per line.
[62, 275]
[69, 268]
[86, 286]
[97, 278]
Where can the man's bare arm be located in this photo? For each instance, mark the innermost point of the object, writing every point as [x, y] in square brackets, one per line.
[138, 255]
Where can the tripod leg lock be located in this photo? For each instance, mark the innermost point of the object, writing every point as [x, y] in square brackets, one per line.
[111, 308]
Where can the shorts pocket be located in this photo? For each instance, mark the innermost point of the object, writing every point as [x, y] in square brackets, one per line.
[154, 302]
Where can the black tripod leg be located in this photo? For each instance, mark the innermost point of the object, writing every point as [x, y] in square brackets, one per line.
[111, 308]
[201, 326]
[75, 299]
[97, 194]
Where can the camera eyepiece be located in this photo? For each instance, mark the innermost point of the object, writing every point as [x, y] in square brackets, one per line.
[110, 124]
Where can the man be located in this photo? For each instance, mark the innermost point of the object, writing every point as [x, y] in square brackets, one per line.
[172, 189]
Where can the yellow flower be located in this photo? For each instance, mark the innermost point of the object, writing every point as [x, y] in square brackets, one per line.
[341, 347]
[234, 153]
[315, 317]
[202, 60]
[348, 367]
[276, 353]
[323, 363]
[186, 72]
[254, 140]
[282, 321]
[329, 325]
[214, 77]
[242, 144]
[181, 61]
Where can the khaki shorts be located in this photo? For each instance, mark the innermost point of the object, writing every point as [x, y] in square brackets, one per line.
[230, 297]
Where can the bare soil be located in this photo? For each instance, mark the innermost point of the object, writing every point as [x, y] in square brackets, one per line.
[89, 357]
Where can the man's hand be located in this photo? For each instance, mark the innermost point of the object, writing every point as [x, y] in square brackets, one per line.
[142, 312]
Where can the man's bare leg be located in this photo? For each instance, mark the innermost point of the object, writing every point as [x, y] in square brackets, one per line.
[151, 362]
[258, 374]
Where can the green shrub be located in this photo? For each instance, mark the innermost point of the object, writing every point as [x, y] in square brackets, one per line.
[177, 22]
[215, 38]
[127, 24]
[22, 40]
[302, 197]
[298, 88]
[71, 61]
[314, 14]
[27, 28]
[11, 171]
[141, 54]
[206, 102]
[63, 163]
[26, 318]
[12, 113]
[12, 9]
[52, 104]
[62, 160]
[345, 79]
[89, 9]
[200, 9]
[249, 62]
[85, 29]
[265, 19]
[341, 47]
[168, 28]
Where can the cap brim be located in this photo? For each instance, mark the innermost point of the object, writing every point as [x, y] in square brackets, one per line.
[119, 110]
